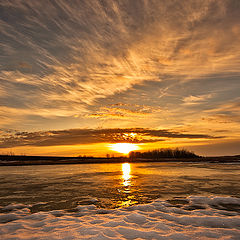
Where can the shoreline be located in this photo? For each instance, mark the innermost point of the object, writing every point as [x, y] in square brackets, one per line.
[45, 160]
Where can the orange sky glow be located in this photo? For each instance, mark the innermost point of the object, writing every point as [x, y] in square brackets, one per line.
[110, 77]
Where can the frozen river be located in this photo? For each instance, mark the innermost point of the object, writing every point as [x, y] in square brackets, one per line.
[114, 185]
[120, 201]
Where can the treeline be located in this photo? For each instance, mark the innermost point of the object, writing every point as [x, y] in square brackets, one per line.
[163, 153]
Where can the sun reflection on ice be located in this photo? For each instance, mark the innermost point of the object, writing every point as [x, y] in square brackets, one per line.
[126, 170]
[128, 197]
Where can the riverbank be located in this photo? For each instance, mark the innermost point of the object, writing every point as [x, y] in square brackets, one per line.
[7, 160]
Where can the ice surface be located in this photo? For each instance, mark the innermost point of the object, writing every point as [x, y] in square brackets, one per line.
[195, 218]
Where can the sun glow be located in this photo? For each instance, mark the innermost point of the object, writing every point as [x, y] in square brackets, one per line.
[124, 147]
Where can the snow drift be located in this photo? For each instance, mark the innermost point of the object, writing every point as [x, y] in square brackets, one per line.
[191, 218]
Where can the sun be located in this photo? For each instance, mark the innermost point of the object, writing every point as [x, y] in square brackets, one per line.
[124, 148]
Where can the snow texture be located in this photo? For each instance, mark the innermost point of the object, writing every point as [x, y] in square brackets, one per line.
[192, 218]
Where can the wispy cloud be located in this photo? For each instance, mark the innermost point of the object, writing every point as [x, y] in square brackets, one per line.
[193, 100]
[124, 111]
[226, 113]
[230, 107]
[83, 51]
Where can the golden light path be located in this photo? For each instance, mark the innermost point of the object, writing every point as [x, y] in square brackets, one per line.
[124, 148]
[126, 169]
[126, 176]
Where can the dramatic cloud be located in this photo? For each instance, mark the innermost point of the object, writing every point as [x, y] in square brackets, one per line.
[70, 54]
[68, 64]
[89, 136]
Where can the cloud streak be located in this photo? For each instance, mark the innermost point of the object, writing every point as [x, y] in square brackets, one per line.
[193, 100]
[125, 111]
[75, 53]
[89, 136]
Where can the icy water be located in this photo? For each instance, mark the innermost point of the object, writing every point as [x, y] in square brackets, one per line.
[53, 187]
[160, 201]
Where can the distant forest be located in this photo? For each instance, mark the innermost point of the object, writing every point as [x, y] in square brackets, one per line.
[163, 153]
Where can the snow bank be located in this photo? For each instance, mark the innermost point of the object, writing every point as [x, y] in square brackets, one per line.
[191, 218]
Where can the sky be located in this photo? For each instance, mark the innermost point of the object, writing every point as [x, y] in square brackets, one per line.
[78, 76]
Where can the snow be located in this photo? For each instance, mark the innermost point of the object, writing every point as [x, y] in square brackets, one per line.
[198, 218]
